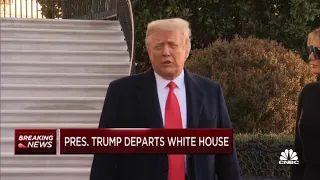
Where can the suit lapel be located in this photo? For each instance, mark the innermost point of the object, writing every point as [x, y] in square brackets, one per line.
[147, 96]
[194, 100]
[195, 97]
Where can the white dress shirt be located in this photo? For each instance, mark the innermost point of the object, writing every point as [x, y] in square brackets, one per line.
[179, 91]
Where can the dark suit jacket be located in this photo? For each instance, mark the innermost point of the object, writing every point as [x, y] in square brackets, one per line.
[307, 134]
[132, 102]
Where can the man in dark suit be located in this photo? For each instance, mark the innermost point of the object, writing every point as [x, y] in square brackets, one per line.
[166, 96]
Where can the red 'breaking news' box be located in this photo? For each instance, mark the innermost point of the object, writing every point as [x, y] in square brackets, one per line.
[35, 141]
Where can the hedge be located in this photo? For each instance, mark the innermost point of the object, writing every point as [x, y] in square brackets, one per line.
[261, 81]
[259, 155]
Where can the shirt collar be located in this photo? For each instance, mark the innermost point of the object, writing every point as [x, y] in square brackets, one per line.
[161, 82]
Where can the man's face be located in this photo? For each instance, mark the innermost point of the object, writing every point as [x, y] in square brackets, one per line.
[315, 62]
[167, 52]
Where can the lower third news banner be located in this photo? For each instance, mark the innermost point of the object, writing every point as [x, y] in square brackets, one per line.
[145, 141]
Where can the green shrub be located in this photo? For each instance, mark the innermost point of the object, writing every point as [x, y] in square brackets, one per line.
[259, 155]
[261, 81]
[50, 9]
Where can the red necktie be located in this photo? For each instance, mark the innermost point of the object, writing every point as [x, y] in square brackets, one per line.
[173, 120]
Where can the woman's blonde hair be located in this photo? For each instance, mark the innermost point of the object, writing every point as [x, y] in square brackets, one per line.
[314, 36]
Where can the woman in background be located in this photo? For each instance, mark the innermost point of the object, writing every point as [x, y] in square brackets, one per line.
[307, 137]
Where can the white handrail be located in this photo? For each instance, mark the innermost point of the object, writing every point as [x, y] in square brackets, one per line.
[132, 34]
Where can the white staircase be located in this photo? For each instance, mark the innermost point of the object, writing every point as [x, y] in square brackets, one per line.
[55, 74]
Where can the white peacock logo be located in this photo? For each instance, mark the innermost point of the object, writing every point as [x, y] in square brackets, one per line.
[288, 155]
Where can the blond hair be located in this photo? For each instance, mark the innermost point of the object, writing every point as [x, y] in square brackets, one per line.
[173, 24]
[314, 36]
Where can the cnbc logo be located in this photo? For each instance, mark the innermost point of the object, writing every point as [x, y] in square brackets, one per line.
[288, 156]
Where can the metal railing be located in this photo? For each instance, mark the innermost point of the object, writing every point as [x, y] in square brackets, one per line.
[77, 9]
[125, 16]
[28, 8]
[89, 9]
[57, 9]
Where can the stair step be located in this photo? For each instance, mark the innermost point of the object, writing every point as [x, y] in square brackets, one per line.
[9, 160]
[71, 67]
[71, 34]
[6, 145]
[65, 55]
[49, 125]
[60, 24]
[7, 129]
[34, 90]
[59, 78]
[51, 103]
[41, 173]
[47, 67]
[62, 44]
[44, 117]
[43, 170]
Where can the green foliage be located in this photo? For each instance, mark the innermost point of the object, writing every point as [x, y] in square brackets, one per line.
[81, 9]
[71, 9]
[286, 21]
[50, 9]
[259, 154]
[261, 81]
